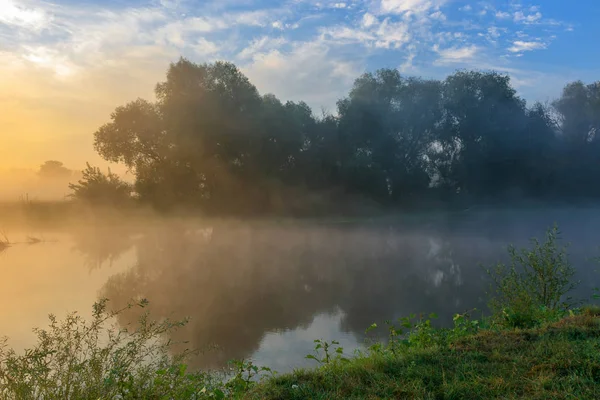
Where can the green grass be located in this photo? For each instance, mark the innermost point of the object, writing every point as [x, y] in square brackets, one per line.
[560, 360]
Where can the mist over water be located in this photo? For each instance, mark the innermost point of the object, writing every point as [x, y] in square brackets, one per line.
[267, 289]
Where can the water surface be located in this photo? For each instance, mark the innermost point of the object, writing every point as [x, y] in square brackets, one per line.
[266, 290]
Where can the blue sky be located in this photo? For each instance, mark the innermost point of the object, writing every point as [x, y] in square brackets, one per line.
[88, 56]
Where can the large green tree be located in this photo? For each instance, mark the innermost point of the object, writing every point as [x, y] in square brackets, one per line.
[211, 140]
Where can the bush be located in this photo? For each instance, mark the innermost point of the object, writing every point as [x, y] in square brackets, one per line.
[101, 189]
[75, 359]
[534, 287]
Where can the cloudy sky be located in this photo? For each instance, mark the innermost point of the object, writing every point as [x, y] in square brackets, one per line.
[66, 64]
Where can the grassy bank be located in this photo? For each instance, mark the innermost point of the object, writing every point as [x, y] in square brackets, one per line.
[559, 360]
[536, 344]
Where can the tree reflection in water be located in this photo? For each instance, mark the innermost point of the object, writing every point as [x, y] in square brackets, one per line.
[239, 281]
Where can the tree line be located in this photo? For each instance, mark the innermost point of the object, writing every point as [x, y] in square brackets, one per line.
[210, 140]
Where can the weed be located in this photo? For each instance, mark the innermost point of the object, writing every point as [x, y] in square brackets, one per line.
[325, 352]
[464, 326]
[245, 376]
[534, 287]
[75, 359]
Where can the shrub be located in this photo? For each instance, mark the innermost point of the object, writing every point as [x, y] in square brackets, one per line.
[98, 188]
[534, 286]
[75, 359]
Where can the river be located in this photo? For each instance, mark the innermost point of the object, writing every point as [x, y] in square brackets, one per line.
[266, 290]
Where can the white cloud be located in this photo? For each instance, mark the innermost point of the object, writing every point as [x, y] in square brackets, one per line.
[260, 45]
[251, 18]
[20, 15]
[204, 47]
[171, 4]
[50, 59]
[392, 34]
[494, 32]
[519, 16]
[455, 54]
[202, 24]
[521, 46]
[413, 6]
[369, 20]
[438, 15]
[308, 72]
[349, 35]
[466, 8]
[407, 65]
[386, 34]
[104, 39]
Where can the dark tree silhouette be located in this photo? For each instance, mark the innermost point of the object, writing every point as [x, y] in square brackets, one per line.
[212, 141]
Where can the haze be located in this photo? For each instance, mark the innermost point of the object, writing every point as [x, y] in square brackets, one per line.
[280, 170]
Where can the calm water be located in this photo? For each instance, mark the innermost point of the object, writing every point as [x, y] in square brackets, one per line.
[266, 291]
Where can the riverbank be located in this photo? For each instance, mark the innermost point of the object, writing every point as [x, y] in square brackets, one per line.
[559, 360]
[476, 359]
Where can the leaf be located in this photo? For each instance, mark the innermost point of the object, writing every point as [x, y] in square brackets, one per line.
[370, 328]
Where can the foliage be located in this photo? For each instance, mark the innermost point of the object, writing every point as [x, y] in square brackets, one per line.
[331, 351]
[98, 188]
[54, 169]
[245, 376]
[212, 141]
[535, 284]
[75, 359]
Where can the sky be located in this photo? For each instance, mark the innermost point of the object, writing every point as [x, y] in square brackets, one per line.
[65, 65]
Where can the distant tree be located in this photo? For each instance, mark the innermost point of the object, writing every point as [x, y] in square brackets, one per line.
[54, 169]
[98, 188]
[578, 115]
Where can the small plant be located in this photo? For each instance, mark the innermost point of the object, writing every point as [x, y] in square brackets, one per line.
[464, 325]
[245, 376]
[394, 332]
[375, 346]
[411, 331]
[422, 334]
[534, 287]
[326, 352]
